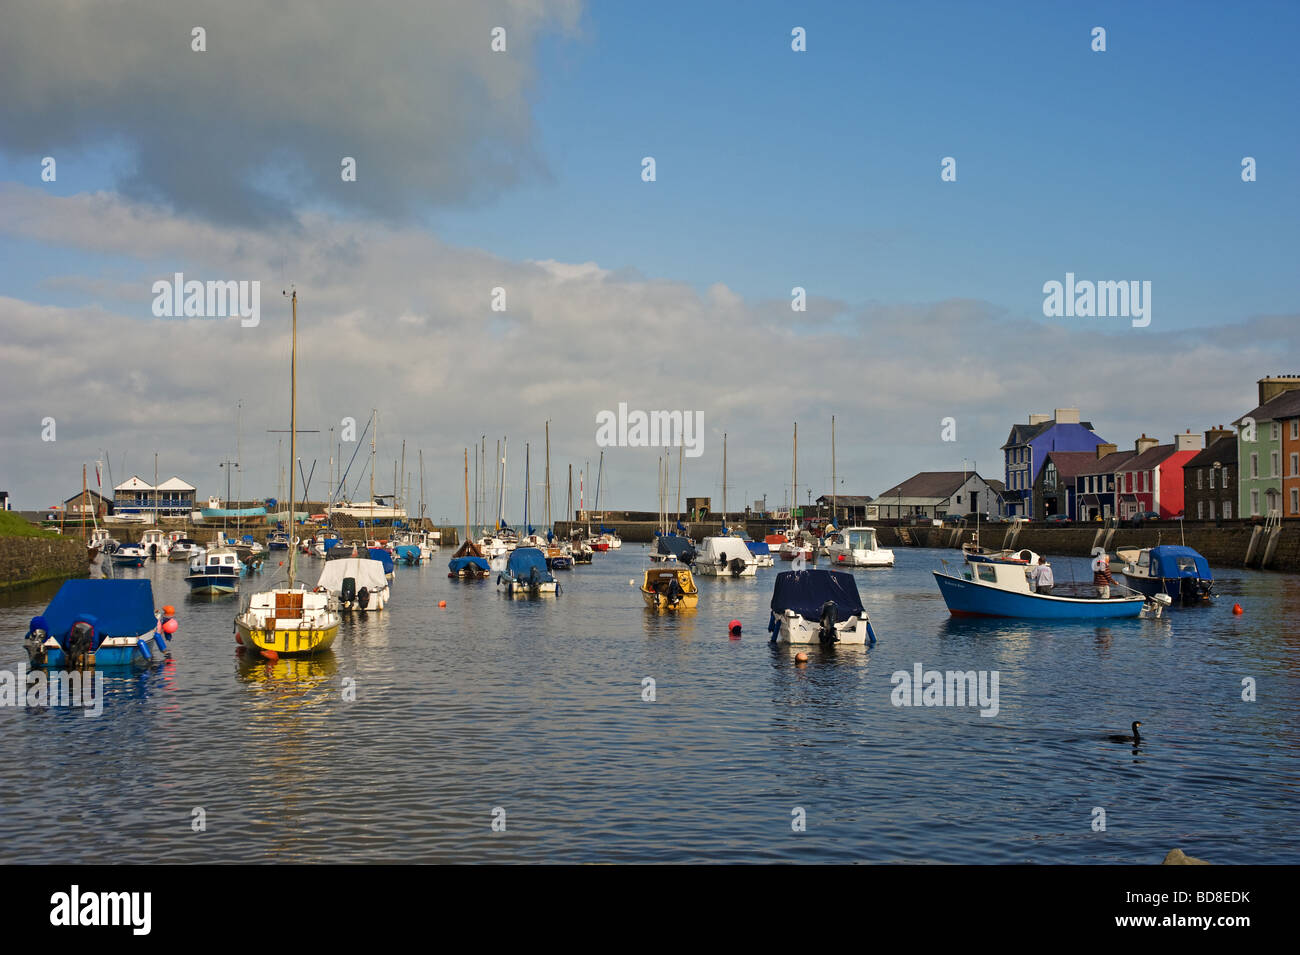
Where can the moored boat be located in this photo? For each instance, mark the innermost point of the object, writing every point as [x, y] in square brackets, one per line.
[669, 588]
[215, 572]
[857, 547]
[526, 573]
[818, 606]
[130, 555]
[356, 583]
[99, 623]
[725, 557]
[991, 589]
[1175, 571]
[184, 549]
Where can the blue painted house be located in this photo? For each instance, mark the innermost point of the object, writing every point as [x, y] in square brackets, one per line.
[1026, 451]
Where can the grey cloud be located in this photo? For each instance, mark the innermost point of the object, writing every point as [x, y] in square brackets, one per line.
[259, 123]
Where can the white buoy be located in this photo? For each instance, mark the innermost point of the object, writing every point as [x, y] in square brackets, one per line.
[631, 583]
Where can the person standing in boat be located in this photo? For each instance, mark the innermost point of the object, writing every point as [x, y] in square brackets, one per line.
[1101, 578]
[1042, 578]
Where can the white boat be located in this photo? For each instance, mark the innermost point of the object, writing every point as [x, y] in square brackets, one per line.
[378, 511]
[155, 544]
[725, 557]
[185, 549]
[800, 544]
[357, 583]
[526, 572]
[215, 572]
[857, 547]
[130, 555]
[818, 606]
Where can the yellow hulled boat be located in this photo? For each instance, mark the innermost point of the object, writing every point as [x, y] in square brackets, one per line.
[288, 621]
[669, 587]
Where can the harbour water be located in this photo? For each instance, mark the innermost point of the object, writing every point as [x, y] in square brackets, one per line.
[535, 707]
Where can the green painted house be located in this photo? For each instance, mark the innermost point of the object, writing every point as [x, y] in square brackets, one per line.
[1259, 446]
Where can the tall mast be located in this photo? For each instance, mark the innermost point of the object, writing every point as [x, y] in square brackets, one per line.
[527, 488]
[405, 488]
[548, 475]
[293, 428]
[501, 483]
[679, 482]
[834, 483]
[467, 494]
[724, 480]
[794, 492]
[374, 419]
[422, 486]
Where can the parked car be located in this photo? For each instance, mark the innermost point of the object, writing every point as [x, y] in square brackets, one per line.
[1059, 519]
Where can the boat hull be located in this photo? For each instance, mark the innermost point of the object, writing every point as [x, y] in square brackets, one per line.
[1182, 590]
[288, 641]
[795, 629]
[966, 598]
[112, 652]
[861, 558]
[206, 584]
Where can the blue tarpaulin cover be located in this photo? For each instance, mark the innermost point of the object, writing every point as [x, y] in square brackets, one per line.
[680, 546]
[457, 564]
[758, 548]
[381, 554]
[805, 591]
[1164, 563]
[121, 608]
[524, 560]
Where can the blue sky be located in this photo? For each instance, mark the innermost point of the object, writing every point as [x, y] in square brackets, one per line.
[775, 169]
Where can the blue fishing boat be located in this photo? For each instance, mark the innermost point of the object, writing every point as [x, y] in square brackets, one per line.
[98, 623]
[526, 573]
[278, 541]
[215, 572]
[1177, 572]
[986, 589]
[407, 553]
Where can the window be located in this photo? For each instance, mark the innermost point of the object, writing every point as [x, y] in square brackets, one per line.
[1295, 464]
[1227, 473]
[1200, 476]
[1295, 429]
[1277, 431]
[1200, 510]
[1211, 510]
[1227, 510]
[1295, 500]
[987, 572]
[1254, 503]
[1275, 462]
[1211, 470]
[1254, 465]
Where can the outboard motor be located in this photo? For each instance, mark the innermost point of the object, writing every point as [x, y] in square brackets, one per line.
[737, 566]
[348, 592]
[34, 644]
[363, 598]
[829, 617]
[78, 645]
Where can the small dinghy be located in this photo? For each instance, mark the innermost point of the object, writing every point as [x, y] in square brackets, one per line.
[468, 561]
[818, 606]
[100, 623]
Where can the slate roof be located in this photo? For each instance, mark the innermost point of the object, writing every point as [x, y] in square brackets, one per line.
[1223, 451]
[931, 485]
[1070, 464]
[1109, 464]
[1285, 405]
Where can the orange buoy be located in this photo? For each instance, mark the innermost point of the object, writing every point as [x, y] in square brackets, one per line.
[1236, 608]
[733, 629]
[270, 655]
[169, 610]
[801, 658]
[442, 603]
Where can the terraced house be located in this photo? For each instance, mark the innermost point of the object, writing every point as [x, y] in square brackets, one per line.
[1026, 450]
[1210, 478]
[1290, 423]
[1259, 446]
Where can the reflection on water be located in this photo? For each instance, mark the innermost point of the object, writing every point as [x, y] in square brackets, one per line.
[397, 744]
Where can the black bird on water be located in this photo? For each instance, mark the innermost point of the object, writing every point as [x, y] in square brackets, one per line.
[1135, 738]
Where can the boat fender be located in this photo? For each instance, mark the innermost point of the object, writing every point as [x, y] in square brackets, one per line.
[321, 590]
[144, 649]
[829, 615]
[162, 643]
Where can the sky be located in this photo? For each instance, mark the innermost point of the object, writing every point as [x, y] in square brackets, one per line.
[522, 170]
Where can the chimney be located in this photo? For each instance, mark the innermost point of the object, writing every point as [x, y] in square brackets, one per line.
[1215, 433]
[1105, 449]
[1187, 442]
[1270, 388]
[1039, 418]
[1067, 415]
[1144, 444]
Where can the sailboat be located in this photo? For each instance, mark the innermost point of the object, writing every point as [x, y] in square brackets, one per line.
[725, 556]
[797, 543]
[468, 561]
[289, 620]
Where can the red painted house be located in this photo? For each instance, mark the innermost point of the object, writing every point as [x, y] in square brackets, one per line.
[1152, 480]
